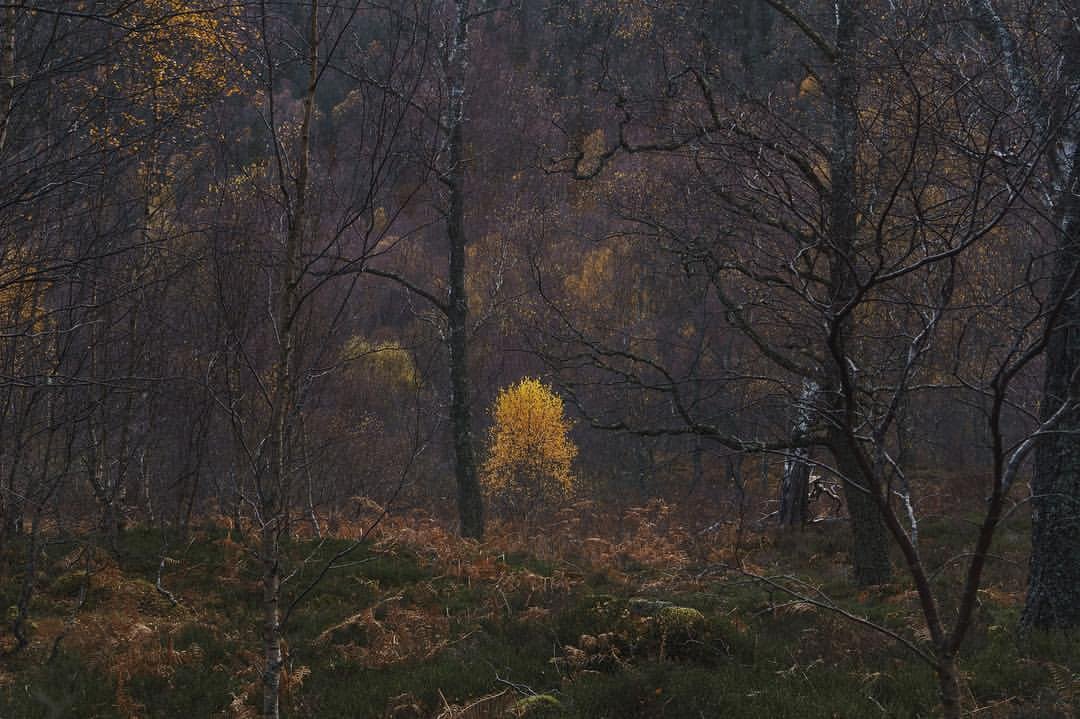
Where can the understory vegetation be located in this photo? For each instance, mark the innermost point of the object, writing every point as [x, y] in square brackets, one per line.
[644, 612]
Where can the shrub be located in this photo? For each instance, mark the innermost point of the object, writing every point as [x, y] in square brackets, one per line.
[530, 455]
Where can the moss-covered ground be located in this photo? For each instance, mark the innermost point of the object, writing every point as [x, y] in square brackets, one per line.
[644, 618]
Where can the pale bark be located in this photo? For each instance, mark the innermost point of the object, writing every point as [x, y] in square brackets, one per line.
[273, 660]
[275, 490]
[795, 485]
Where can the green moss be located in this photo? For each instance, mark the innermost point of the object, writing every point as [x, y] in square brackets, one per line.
[521, 560]
[538, 706]
[727, 649]
[66, 686]
[680, 619]
[68, 584]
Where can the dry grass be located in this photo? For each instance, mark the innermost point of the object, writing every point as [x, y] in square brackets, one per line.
[527, 576]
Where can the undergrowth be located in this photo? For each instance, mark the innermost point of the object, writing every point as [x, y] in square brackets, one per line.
[646, 616]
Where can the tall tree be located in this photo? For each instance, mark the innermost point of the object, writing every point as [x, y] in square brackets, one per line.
[274, 492]
[448, 121]
[309, 201]
[1053, 108]
[456, 64]
[815, 209]
[870, 547]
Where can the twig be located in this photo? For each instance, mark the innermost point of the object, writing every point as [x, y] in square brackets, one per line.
[160, 588]
[830, 606]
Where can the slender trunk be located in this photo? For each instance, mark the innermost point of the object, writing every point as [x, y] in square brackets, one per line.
[123, 451]
[8, 528]
[144, 485]
[103, 480]
[309, 488]
[273, 661]
[47, 483]
[7, 74]
[697, 467]
[14, 508]
[470, 502]
[275, 491]
[197, 447]
[795, 485]
[26, 592]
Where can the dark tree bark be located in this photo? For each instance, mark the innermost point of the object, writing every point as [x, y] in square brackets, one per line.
[470, 501]
[870, 546]
[450, 172]
[869, 541]
[1053, 598]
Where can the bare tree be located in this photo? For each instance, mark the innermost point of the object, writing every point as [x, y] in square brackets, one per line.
[448, 122]
[1050, 104]
[321, 206]
[837, 256]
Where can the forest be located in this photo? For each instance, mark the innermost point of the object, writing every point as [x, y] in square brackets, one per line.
[397, 359]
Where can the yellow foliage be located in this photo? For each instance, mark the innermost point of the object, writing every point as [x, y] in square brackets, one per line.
[530, 455]
[390, 364]
[809, 86]
[593, 148]
[176, 56]
[634, 18]
[380, 220]
[591, 286]
[21, 295]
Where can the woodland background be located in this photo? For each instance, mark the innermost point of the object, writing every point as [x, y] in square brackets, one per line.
[584, 300]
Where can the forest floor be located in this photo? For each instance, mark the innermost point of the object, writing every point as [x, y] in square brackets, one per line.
[586, 615]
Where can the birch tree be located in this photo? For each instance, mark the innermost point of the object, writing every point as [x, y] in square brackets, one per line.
[448, 123]
[311, 210]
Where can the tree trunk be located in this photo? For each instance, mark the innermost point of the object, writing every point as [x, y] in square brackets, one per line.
[26, 592]
[795, 490]
[12, 499]
[869, 540]
[470, 502]
[795, 485]
[49, 479]
[949, 688]
[1053, 598]
[870, 547]
[275, 492]
[272, 655]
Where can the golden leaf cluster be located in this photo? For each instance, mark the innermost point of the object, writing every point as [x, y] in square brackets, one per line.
[530, 454]
[388, 363]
